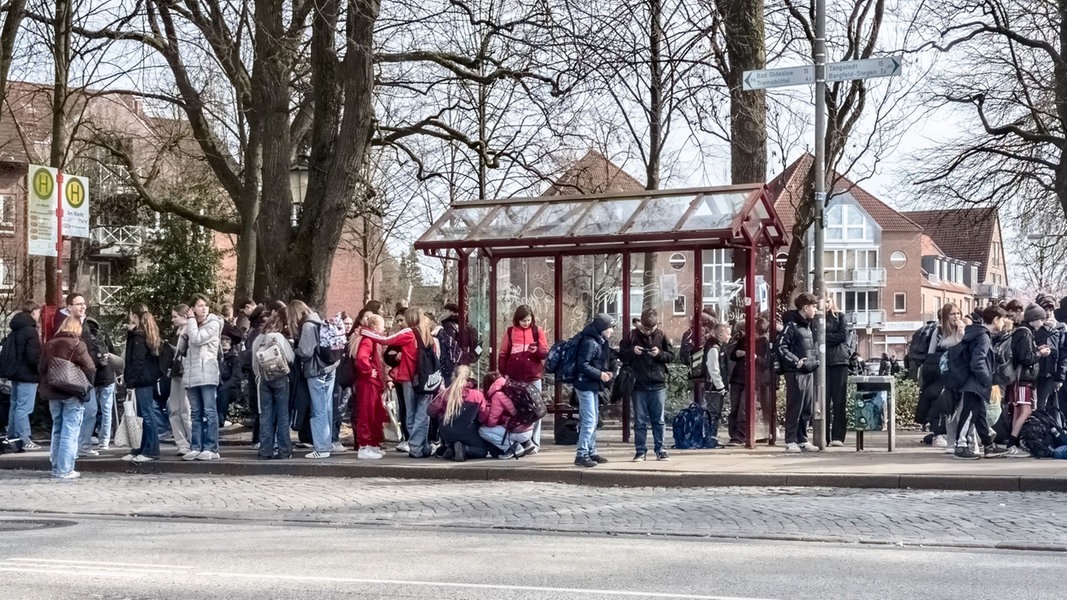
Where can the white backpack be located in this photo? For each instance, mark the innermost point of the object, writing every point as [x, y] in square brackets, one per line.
[271, 360]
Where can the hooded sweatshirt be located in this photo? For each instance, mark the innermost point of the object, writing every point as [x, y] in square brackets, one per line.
[797, 343]
[594, 356]
[27, 341]
[980, 363]
[499, 409]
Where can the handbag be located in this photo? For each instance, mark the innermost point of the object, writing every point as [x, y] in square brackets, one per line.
[392, 432]
[67, 377]
[128, 434]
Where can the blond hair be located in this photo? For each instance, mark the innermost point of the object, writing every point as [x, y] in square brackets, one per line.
[297, 312]
[454, 393]
[71, 325]
[419, 322]
[368, 321]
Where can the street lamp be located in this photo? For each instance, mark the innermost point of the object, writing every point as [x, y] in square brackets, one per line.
[298, 185]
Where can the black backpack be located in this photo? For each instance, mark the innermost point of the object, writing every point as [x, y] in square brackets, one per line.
[8, 364]
[529, 405]
[427, 377]
[1004, 368]
[918, 349]
[1041, 433]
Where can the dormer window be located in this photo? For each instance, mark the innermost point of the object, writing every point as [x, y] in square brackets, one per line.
[847, 223]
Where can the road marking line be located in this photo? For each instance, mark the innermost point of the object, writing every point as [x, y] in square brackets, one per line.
[90, 563]
[476, 586]
[114, 573]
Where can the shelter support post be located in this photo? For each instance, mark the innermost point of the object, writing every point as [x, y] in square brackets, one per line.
[698, 307]
[557, 311]
[750, 346]
[493, 350]
[462, 276]
[772, 315]
[625, 336]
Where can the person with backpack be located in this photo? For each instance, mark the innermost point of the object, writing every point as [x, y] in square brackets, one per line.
[523, 350]
[497, 415]
[1026, 356]
[715, 377]
[938, 406]
[200, 346]
[593, 372]
[646, 353]
[19, 359]
[369, 413]
[456, 350]
[970, 365]
[141, 373]
[256, 321]
[457, 410]
[272, 361]
[318, 372]
[102, 398]
[796, 349]
[1053, 366]
[840, 344]
[67, 373]
[766, 380]
[418, 374]
[690, 349]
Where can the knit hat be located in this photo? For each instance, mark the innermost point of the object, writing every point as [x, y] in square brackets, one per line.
[1045, 301]
[1033, 312]
[603, 321]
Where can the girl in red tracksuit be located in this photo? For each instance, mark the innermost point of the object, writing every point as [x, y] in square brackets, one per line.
[371, 382]
[522, 352]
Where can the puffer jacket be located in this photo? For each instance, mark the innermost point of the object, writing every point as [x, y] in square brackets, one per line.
[797, 343]
[837, 348]
[200, 346]
[516, 359]
[1051, 334]
[142, 366]
[1024, 355]
[64, 345]
[980, 362]
[498, 409]
[594, 358]
[100, 347]
[650, 372]
[27, 341]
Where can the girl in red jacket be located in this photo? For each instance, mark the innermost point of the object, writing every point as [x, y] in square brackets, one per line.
[523, 350]
[370, 385]
[511, 439]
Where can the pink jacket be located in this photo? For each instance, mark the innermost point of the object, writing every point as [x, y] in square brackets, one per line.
[498, 408]
[517, 360]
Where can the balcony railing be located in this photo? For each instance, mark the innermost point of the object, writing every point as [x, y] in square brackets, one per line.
[866, 318]
[117, 241]
[868, 277]
[993, 290]
[107, 295]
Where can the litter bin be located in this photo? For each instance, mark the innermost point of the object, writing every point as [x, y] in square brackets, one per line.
[873, 407]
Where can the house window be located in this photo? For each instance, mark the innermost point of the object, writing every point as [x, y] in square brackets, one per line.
[900, 302]
[996, 255]
[860, 301]
[898, 259]
[7, 213]
[847, 223]
[6, 277]
[834, 269]
[717, 273]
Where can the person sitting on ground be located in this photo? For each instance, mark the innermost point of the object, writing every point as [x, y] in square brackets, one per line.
[456, 409]
[510, 439]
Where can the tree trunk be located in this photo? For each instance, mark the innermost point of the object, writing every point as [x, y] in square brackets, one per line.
[8, 34]
[650, 293]
[743, 22]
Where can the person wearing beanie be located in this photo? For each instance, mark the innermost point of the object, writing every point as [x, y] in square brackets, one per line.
[799, 361]
[593, 373]
[1025, 356]
[1052, 368]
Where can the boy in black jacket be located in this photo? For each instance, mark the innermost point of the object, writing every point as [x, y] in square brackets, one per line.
[799, 361]
[646, 354]
[979, 384]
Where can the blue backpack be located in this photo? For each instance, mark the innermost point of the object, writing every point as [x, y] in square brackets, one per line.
[562, 360]
[692, 429]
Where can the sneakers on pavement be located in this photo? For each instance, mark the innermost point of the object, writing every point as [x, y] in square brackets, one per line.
[662, 455]
[255, 446]
[141, 458]
[30, 446]
[367, 453]
[1016, 452]
[337, 448]
[599, 459]
[69, 476]
[191, 455]
[459, 452]
[792, 448]
[317, 454]
[837, 444]
[403, 447]
[208, 455]
[638, 457]
[994, 452]
[129, 457]
[939, 441]
[88, 453]
[584, 461]
[809, 447]
[964, 453]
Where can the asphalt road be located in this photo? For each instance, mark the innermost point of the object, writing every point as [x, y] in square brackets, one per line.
[132, 558]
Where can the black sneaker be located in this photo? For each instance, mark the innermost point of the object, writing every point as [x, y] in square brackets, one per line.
[459, 452]
[585, 461]
[639, 456]
[599, 459]
[964, 453]
[662, 455]
[992, 451]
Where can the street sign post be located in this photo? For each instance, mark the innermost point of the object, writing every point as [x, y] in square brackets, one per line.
[771, 78]
[55, 205]
[864, 69]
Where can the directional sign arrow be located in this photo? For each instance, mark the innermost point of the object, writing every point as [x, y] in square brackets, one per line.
[864, 69]
[769, 78]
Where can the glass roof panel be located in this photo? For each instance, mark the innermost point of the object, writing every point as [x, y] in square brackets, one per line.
[509, 221]
[459, 224]
[608, 216]
[556, 220]
[715, 211]
[661, 214]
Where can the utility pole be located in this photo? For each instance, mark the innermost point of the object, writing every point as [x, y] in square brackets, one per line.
[818, 284]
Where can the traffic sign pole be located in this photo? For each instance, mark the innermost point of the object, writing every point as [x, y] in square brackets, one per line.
[817, 283]
[58, 300]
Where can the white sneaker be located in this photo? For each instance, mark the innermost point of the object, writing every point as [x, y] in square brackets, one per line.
[792, 448]
[367, 453]
[104, 447]
[129, 457]
[255, 446]
[950, 449]
[191, 455]
[69, 476]
[337, 448]
[88, 453]
[403, 447]
[317, 454]
[1016, 452]
[208, 455]
[809, 447]
[939, 441]
[837, 444]
[226, 423]
[141, 458]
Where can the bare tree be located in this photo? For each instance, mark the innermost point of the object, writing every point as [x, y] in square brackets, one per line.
[13, 12]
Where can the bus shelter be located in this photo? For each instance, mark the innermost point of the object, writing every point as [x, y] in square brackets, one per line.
[572, 257]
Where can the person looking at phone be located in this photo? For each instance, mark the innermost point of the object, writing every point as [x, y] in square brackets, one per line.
[646, 353]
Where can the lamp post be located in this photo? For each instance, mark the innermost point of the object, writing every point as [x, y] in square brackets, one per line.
[298, 186]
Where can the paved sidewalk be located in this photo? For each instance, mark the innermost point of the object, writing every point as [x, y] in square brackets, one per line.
[912, 466]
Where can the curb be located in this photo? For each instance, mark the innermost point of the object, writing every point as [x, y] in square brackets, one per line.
[562, 475]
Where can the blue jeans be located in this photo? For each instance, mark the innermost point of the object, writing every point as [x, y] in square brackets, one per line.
[499, 436]
[648, 410]
[274, 418]
[321, 390]
[149, 434]
[23, 395]
[105, 400]
[418, 421]
[205, 418]
[85, 436]
[588, 407]
[66, 426]
[536, 439]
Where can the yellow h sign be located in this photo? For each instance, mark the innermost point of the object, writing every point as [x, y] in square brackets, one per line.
[43, 183]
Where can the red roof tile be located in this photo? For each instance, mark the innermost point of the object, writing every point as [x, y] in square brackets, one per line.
[593, 174]
[963, 233]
